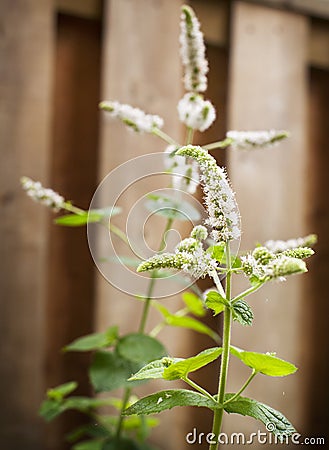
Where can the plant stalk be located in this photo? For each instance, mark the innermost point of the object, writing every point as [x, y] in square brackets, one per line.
[218, 414]
[148, 300]
[164, 136]
[125, 401]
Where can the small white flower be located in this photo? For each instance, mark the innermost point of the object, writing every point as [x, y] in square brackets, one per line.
[189, 256]
[134, 118]
[263, 264]
[195, 112]
[45, 196]
[193, 52]
[223, 216]
[185, 175]
[244, 140]
[281, 246]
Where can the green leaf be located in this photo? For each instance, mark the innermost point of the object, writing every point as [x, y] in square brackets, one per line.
[194, 304]
[120, 443]
[109, 371]
[168, 399]
[215, 302]
[140, 348]
[136, 422]
[264, 363]
[192, 324]
[242, 313]
[186, 322]
[59, 392]
[93, 341]
[92, 430]
[51, 408]
[93, 444]
[182, 368]
[91, 216]
[171, 208]
[84, 404]
[236, 262]
[273, 420]
[154, 369]
[217, 251]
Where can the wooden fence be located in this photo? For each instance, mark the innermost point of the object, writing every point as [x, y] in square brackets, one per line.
[269, 64]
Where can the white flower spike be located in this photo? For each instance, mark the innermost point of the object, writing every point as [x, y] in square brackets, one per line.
[246, 140]
[185, 175]
[223, 216]
[193, 52]
[195, 112]
[45, 196]
[134, 118]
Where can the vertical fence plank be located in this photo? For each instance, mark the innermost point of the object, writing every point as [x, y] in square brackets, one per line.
[25, 89]
[142, 68]
[269, 90]
[318, 210]
[70, 304]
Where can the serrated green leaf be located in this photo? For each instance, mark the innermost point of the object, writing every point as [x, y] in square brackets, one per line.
[271, 418]
[59, 392]
[94, 341]
[168, 399]
[140, 348]
[84, 404]
[264, 363]
[242, 313]
[120, 443]
[236, 262]
[154, 369]
[217, 251]
[91, 216]
[92, 444]
[52, 408]
[136, 422]
[172, 208]
[185, 322]
[92, 430]
[109, 211]
[194, 304]
[215, 302]
[110, 370]
[182, 368]
[192, 324]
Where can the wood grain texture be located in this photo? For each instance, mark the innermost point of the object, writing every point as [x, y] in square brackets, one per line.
[26, 51]
[269, 90]
[70, 303]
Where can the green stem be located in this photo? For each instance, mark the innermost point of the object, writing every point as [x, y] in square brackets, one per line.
[125, 400]
[219, 144]
[247, 292]
[114, 229]
[164, 136]
[156, 330]
[237, 394]
[198, 388]
[190, 134]
[120, 234]
[218, 414]
[148, 300]
[218, 284]
[74, 209]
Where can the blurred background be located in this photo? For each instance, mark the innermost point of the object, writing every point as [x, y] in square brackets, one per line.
[269, 68]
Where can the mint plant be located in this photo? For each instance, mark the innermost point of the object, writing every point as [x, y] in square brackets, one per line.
[124, 361]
